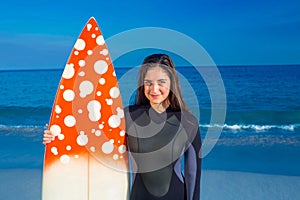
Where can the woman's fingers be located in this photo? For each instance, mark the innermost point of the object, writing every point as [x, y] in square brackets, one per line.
[48, 137]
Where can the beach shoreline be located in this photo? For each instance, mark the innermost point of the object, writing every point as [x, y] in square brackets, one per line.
[26, 184]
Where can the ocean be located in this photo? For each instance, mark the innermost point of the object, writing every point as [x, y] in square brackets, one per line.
[260, 134]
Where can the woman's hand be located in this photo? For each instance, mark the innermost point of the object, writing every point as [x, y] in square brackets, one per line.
[48, 136]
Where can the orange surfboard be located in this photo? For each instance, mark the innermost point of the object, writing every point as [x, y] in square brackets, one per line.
[88, 158]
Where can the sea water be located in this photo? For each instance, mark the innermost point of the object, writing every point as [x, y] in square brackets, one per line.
[260, 134]
[256, 155]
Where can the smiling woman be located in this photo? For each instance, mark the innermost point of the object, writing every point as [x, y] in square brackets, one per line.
[161, 132]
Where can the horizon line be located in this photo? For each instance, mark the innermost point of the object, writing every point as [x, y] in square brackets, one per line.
[180, 66]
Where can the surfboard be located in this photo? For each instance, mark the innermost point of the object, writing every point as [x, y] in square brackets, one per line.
[88, 158]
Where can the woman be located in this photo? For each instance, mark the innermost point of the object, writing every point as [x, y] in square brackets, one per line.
[161, 132]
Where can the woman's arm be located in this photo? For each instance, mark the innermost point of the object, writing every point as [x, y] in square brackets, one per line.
[192, 167]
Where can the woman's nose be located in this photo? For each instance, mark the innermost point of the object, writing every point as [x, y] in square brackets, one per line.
[155, 87]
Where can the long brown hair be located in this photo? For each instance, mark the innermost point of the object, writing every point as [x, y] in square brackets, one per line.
[175, 98]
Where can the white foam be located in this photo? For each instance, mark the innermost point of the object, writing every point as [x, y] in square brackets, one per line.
[252, 127]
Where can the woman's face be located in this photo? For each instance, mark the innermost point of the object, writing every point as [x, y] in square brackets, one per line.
[156, 86]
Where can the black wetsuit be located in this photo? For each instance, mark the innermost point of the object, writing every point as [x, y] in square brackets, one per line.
[157, 143]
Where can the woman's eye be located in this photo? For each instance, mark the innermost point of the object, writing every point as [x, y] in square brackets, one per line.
[148, 83]
[161, 82]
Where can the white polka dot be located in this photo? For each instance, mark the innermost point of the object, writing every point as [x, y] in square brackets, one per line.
[70, 121]
[76, 156]
[114, 73]
[61, 87]
[69, 71]
[76, 53]
[93, 35]
[120, 112]
[109, 102]
[107, 147]
[93, 130]
[81, 73]
[116, 157]
[68, 95]
[100, 40]
[57, 109]
[85, 88]
[79, 45]
[54, 150]
[82, 139]
[96, 28]
[104, 52]
[101, 126]
[122, 149]
[100, 67]
[98, 133]
[93, 149]
[65, 159]
[122, 133]
[99, 93]
[89, 52]
[81, 63]
[89, 26]
[68, 148]
[102, 81]
[94, 108]
[114, 121]
[114, 92]
[112, 141]
[57, 116]
[61, 136]
[80, 111]
[107, 58]
[55, 129]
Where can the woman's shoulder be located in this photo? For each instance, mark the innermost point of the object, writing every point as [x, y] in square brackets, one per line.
[189, 118]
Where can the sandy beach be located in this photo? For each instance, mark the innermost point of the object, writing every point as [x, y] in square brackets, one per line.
[26, 184]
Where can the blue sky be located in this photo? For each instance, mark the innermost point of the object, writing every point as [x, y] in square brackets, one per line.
[41, 34]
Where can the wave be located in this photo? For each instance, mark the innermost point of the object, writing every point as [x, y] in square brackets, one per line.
[30, 133]
[225, 127]
[252, 127]
[23, 128]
